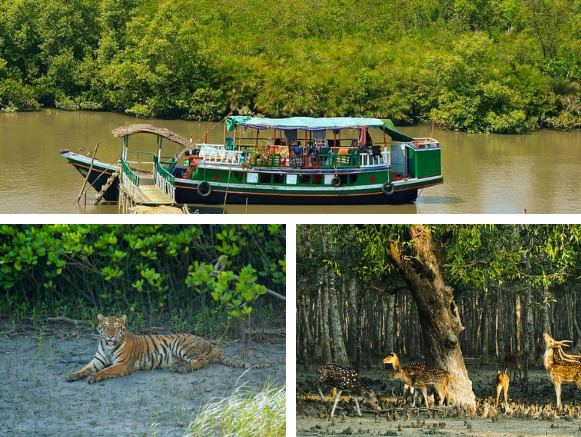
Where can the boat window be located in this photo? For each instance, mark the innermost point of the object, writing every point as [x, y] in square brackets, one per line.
[343, 178]
[353, 178]
[265, 178]
[317, 179]
[305, 179]
[277, 178]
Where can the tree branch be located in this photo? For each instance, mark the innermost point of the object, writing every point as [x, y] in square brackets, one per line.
[394, 290]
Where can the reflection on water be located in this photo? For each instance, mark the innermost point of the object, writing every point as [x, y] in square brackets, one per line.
[332, 209]
[484, 173]
[424, 200]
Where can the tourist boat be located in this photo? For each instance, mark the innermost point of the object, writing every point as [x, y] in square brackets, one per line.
[299, 160]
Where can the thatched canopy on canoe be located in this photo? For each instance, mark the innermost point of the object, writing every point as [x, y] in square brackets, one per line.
[123, 131]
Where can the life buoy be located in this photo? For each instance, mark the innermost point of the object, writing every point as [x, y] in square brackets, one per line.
[388, 188]
[204, 189]
[336, 181]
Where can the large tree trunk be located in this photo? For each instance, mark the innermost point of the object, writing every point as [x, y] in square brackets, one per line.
[439, 318]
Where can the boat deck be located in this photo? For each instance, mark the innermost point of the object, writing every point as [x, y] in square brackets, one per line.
[149, 194]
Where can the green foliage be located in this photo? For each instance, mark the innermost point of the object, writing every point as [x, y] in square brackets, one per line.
[480, 66]
[235, 292]
[472, 256]
[140, 268]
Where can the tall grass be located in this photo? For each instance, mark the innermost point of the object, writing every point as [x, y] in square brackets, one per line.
[244, 413]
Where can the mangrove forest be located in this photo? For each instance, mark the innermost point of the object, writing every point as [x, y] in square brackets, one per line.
[506, 66]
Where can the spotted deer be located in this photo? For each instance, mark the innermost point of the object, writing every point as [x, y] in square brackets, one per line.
[345, 379]
[511, 361]
[438, 379]
[562, 368]
[501, 383]
[410, 368]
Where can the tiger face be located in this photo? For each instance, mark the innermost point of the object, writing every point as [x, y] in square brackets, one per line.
[111, 329]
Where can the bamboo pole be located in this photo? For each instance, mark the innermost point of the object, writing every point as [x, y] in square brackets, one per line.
[88, 173]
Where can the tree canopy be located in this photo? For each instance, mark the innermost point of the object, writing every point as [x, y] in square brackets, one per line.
[503, 66]
[204, 275]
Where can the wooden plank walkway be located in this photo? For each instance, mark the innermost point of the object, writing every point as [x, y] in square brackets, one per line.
[149, 194]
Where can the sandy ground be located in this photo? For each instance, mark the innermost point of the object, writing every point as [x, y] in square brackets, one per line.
[36, 399]
[530, 411]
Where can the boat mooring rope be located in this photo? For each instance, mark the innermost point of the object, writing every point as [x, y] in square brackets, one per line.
[227, 188]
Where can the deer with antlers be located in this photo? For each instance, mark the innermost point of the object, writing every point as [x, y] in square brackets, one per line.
[561, 367]
[410, 368]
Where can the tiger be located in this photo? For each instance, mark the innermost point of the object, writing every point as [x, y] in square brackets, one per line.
[120, 353]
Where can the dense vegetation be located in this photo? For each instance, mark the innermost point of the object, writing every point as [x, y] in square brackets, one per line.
[200, 277]
[481, 66]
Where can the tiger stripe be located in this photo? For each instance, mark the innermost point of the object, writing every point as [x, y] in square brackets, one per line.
[121, 353]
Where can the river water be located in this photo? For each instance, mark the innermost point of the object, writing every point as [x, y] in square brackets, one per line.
[483, 173]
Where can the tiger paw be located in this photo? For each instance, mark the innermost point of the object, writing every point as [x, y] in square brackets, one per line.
[73, 377]
[93, 379]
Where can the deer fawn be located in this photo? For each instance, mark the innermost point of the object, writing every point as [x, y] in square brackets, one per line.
[562, 368]
[501, 383]
[345, 379]
[511, 360]
[410, 368]
[437, 379]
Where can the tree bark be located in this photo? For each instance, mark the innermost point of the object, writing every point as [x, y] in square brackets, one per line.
[340, 353]
[308, 340]
[338, 343]
[438, 313]
[529, 334]
[518, 324]
[327, 359]
[545, 311]
[500, 322]
[389, 331]
[353, 316]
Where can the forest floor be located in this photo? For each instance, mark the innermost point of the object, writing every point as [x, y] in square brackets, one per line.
[36, 399]
[530, 411]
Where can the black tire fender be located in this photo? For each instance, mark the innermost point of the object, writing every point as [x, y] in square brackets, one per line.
[388, 188]
[204, 189]
[336, 181]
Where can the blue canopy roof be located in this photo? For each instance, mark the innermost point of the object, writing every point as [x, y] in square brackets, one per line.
[316, 124]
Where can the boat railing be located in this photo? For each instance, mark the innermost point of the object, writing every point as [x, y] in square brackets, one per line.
[137, 158]
[296, 157]
[163, 179]
[129, 179]
[338, 157]
[218, 154]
